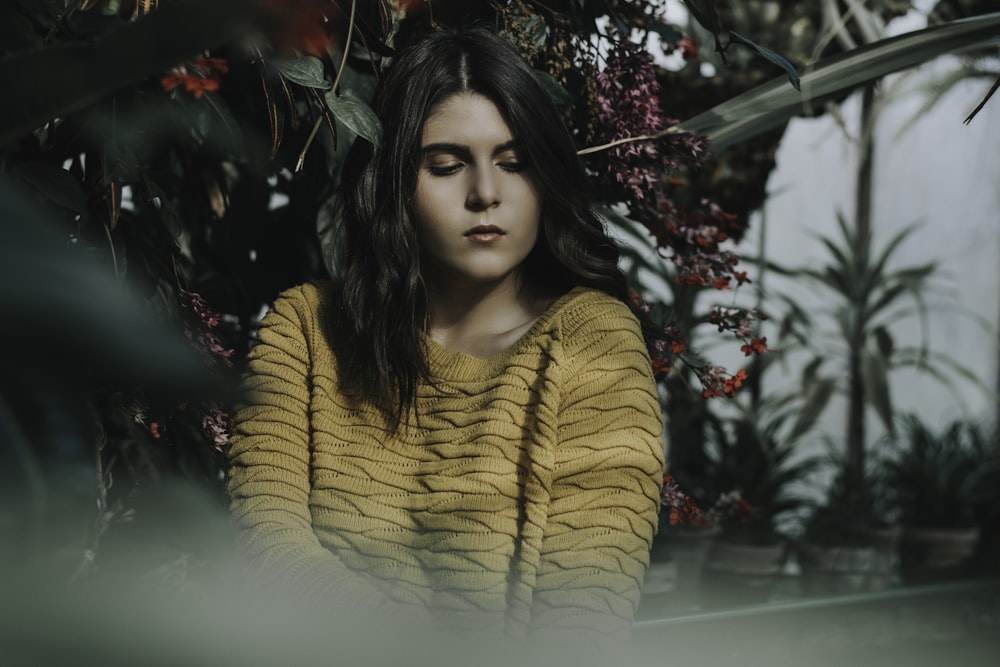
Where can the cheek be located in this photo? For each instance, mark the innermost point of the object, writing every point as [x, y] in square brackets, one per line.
[536, 210]
[426, 216]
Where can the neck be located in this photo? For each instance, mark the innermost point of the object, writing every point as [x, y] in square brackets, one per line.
[453, 305]
[481, 319]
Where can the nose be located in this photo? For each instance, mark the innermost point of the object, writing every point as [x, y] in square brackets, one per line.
[484, 192]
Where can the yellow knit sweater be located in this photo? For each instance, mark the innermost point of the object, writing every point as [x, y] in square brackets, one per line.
[525, 497]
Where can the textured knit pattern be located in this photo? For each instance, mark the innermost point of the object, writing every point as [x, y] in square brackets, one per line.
[524, 497]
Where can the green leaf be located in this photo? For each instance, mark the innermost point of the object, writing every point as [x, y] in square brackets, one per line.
[669, 34]
[809, 371]
[200, 120]
[884, 342]
[876, 379]
[557, 92]
[887, 299]
[305, 71]
[705, 13]
[772, 56]
[890, 248]
[818, 396]
[355, 113]
[56, 185]
[838, 254]
[773, 103]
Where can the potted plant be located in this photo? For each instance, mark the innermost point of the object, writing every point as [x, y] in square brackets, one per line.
[754, 457]
[753, 469]
[850, 537]
[938, 481]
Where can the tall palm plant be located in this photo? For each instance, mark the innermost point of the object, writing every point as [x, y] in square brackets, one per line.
[867, 296]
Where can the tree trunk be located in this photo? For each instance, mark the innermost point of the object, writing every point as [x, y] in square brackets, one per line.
[857, 399]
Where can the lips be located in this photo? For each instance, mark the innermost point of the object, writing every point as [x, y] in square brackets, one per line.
[485, 234]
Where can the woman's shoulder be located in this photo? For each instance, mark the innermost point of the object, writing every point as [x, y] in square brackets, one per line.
[586, 310]
[306, 312]
[600, 334]
[314, 300]
[315, 293]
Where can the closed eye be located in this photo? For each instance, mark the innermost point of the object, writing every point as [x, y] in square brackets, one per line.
[513, 166]
[444, 170]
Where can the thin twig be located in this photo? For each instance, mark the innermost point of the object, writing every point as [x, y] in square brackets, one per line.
[347, 47]
[986, 99]
[305, 149]
[673, 129]
[114, 258]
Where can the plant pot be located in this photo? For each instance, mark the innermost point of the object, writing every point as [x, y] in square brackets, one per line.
[885, 568]
[741, 574]
[835, 570]
[930, 554]
[842, 569]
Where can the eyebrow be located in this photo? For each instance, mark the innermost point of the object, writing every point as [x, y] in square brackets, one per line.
[461, 149]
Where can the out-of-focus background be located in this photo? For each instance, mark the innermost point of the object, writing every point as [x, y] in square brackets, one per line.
[813, 225]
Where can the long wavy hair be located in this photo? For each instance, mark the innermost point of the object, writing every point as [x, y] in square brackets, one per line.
[383, 299]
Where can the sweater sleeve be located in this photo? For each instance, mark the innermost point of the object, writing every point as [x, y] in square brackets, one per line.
[608, 469]
[269, 461]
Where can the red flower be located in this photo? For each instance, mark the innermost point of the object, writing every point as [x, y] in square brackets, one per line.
[680, 508]
[758, 345]
[731, 509]
[734, 383]
[301, 25]
[741, 277]
[201, 75]
[196, 85]
[211, 66]
[661, 366]
[689, 48]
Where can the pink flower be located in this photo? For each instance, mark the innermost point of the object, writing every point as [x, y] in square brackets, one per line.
[628, 106]
[203, 337]
[681, 509]
[731, 509]
[215, 422]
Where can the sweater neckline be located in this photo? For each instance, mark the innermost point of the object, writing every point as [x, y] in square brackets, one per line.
[447, 364]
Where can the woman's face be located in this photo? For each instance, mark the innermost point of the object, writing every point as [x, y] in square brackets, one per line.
[477, 204]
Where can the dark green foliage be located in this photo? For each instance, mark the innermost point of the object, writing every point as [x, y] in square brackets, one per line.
[940, 479]
[756, 457]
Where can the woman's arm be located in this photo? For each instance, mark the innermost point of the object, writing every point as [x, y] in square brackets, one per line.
[269, 458]
[607, 474]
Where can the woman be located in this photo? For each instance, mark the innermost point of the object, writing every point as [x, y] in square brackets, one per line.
[465, 424]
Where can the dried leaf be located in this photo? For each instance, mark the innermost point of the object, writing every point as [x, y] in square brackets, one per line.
[114, 204]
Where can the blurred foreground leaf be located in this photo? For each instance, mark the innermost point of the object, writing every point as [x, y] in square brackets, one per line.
[775, 102]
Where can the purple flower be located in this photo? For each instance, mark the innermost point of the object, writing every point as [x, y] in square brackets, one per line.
[203, 337]
[215, 422]
[628, 105]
